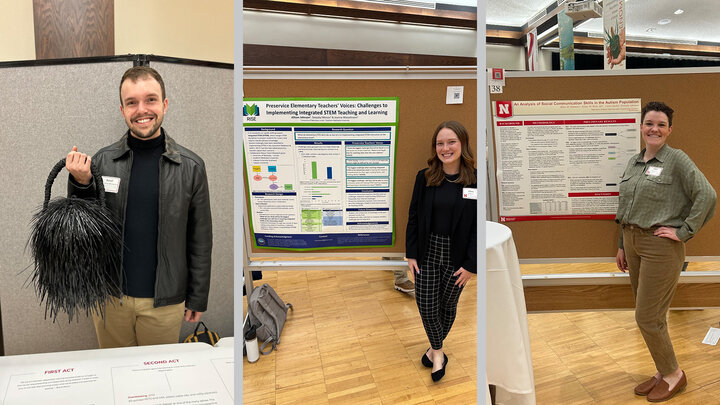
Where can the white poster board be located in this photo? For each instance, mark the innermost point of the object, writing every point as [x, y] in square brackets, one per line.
[563, 159]
[187, 373]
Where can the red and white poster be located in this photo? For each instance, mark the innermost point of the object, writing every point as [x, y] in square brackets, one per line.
[563, 159]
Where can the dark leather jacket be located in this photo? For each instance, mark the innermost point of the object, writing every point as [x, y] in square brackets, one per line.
[184, 221]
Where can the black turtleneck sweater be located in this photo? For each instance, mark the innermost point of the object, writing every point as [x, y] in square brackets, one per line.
[443, 204]
[141, 217]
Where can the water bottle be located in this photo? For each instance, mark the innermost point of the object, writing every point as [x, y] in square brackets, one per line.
[251, 345]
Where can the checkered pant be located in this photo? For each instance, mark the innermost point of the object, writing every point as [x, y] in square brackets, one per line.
[435, 291]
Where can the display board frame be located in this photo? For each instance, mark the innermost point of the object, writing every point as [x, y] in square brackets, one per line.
[592, 241]
[416, 84]
[600, 236]
[63, 93]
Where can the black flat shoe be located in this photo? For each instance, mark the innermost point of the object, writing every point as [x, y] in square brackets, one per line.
[437, 375]
[426, 361]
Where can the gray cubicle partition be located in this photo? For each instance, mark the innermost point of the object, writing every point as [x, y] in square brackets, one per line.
[49, 106]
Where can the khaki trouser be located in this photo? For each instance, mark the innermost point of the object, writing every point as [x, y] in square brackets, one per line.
[134, 322]
[655, 264]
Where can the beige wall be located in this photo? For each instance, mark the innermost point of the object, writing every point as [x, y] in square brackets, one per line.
[17, 33]
[180, 28]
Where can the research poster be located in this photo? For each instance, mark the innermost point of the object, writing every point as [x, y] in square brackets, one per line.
[563, 159]
[320, 172]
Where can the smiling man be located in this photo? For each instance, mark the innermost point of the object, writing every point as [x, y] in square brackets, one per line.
[158, 191]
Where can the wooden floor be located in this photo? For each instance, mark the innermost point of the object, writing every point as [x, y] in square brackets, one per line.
[599, 267]
[353, 339]
[599, 357]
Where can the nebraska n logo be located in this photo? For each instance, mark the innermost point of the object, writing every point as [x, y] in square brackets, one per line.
[503, 109]
[251, 110]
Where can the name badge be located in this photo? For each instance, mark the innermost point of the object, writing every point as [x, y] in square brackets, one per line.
[653, 171]
[112, 184]
[470, 193]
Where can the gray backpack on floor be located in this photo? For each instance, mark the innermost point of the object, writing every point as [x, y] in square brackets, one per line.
[268, 312]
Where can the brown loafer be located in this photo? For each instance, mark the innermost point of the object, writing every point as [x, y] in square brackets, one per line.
[646, 387]
[660, 393]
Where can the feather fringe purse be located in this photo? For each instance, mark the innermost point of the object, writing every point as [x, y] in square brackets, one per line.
[76, 246]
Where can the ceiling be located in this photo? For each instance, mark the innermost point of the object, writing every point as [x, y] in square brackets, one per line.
[697, 25]
[467, 3]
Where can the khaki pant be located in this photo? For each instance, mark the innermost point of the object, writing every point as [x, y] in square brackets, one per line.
[133, 321]
[655, 264]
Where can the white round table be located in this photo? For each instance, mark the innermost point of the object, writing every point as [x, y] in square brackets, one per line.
[509, 362]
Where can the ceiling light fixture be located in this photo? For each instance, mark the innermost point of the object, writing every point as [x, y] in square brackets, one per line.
[664, 21]
[679, 11]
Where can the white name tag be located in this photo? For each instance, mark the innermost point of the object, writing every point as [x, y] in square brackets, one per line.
[112, 184]
[470, 193]
[653, 171]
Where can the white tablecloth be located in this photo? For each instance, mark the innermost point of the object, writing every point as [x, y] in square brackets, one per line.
[509, 362]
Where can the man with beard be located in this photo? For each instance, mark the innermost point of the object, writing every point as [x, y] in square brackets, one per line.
[158, 192]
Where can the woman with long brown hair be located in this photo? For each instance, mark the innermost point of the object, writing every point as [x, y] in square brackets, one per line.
[441, 238]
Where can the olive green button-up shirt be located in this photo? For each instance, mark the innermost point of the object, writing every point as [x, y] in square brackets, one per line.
[668, 190]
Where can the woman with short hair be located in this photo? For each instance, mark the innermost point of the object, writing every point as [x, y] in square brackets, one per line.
[664, 201]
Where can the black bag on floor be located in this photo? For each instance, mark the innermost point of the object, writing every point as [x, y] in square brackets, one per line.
[205, 336]
[268, 312]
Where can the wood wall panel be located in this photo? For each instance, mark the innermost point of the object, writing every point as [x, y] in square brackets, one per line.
[340, 57]
[270, 55]
[267, 55]
[617, 296]
[370, 11]
[74, 29]
[433, 60]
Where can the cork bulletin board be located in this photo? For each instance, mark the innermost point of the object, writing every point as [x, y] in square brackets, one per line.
[692, 93]
[422, 106]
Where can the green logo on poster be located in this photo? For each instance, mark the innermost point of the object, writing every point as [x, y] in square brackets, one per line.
[251, 110]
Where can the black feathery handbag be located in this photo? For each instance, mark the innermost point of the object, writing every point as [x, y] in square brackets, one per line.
[76, 246]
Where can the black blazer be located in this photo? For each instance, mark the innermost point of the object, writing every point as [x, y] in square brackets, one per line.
[463, 250]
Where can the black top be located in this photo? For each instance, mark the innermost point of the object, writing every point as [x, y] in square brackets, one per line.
[141, 217]
[463, 249]
[443, 202]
